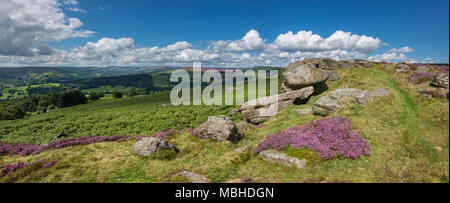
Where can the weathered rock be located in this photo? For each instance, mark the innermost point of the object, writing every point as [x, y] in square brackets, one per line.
[336, 99]
[298, 75]
[402, 68]
[62, 134]
[220, 129]
[441, 80]
[193, 177]
[304, 111]
[243, 125]
[245, 148]
[345, 64]
[282, 158]
[333, 75]
[262, 109]
[363, 63]
[369, 95]
[285, 88]
[322, 63]
[149, 145]
[422, 69]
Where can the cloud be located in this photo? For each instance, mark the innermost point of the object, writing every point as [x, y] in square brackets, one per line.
[405, 49]
[250, 50]
[70, 2]
[340, 40]
[250, 42]
[26, 23]
[43, 49]
[179, 45]
[396, 54]
[77, 10]
[388, 56]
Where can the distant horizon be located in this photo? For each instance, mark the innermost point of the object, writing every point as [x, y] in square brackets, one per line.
[164, 66]
[82, 33]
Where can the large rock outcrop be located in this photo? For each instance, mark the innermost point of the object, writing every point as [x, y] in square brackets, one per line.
[150, 145]
[441, 80]
[312, 72]
[333, 76]
[220, 129]
[262, 109]
[331, 64]
[322, 63]
[336, 99]
[299, 75]
[402, 68]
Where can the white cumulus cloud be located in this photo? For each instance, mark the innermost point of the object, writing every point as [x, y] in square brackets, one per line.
[340, 40]
[250, 42]
[26, 23]
[405, 49]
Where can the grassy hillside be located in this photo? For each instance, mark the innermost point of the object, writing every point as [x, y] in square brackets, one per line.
[408, 134]
[22, 91]
[16, 76]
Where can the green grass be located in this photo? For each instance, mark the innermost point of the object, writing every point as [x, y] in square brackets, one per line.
[405, 131]
[109, 88]
[139, 115]
[23, 89]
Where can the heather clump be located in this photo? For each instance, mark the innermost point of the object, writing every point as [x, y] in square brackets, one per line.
[443, 69]
[43, 163]
[329, 137]
[420, 77]
[11, 168]
[25, 149]
[431, 93]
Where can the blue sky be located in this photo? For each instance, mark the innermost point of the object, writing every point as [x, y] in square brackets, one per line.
[420, 27]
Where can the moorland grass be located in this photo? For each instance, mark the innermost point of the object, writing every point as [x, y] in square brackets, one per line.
[407, 133]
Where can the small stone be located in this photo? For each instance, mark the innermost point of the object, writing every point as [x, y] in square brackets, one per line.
[282, 158]
[304, 111]
[245, 148]
[220, 129]
[149, 145]
[193, 177]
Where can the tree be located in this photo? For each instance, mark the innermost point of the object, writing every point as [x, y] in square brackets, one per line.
[142, 91]
[42, 105]
[117, 94]
[93, 96]
[132, 93]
